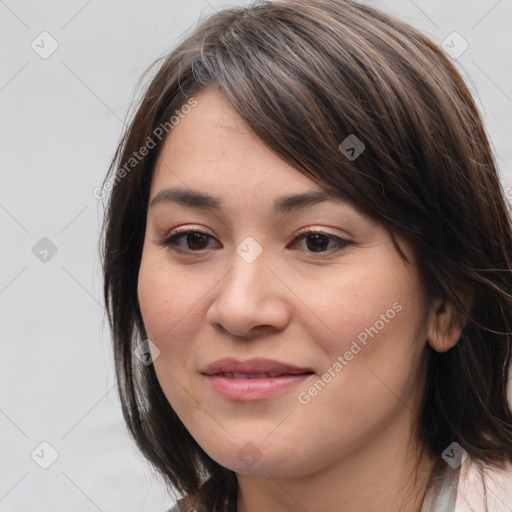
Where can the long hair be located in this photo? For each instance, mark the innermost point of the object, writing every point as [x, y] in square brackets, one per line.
[304, 76]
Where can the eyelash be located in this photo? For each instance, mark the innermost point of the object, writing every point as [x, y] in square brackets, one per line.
[169, 240]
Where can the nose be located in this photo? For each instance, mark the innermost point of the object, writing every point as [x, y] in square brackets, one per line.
[250, 300]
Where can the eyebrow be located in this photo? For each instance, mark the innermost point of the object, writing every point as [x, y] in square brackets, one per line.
[195, 199]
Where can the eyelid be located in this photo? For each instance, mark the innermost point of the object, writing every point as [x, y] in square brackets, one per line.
[201, 229]
[186, 228]
[321, 231]
[308, 231]
[164, 240]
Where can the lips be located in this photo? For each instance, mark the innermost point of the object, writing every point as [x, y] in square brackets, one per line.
[237, 376]
[256, 368]
[256, 379]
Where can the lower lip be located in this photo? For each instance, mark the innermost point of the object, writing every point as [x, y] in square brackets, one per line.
[254, 389]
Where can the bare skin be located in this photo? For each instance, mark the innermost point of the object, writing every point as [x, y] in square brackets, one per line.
[349, 446]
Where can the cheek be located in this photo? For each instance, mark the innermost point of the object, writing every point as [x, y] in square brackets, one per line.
[373, 300]
[170, 310]
[375, 327]
[162, 303]
[155, 301]
[166, 298]
[172, 304]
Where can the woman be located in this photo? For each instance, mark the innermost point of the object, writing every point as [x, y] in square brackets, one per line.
[262, 370]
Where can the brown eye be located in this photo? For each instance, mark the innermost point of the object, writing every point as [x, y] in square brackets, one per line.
[194, 241]
[319, 242]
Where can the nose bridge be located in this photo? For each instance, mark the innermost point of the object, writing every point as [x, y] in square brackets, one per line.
[249, 270]
[248, 296]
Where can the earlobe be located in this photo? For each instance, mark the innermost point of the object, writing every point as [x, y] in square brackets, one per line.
[445, 324]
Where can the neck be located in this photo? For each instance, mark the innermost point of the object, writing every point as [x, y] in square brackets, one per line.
[386, 474]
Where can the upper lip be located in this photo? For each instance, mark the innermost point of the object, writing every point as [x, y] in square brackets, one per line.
[256, 365]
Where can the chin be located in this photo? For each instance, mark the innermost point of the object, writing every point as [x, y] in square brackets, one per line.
[262, 458]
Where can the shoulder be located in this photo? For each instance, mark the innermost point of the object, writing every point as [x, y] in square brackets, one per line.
[483, 488]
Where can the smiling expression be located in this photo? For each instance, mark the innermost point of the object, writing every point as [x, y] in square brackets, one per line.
[230, 270]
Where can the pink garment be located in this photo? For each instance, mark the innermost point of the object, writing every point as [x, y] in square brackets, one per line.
[471, 495]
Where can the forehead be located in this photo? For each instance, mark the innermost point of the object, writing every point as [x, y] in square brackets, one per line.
[211, 148]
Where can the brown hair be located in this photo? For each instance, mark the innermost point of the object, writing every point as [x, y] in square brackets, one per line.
[304, 75]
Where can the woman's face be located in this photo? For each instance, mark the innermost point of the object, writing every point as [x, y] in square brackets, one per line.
[281, 353]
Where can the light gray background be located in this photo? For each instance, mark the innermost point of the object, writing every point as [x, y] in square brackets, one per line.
[61, 118]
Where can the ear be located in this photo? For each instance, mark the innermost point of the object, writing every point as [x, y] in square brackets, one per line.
[445, 323]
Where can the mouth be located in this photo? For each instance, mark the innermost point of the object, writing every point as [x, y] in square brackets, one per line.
[255, 368]
[268, 375]
[256, 379]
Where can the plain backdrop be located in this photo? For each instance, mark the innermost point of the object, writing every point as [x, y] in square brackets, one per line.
[61, 117]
